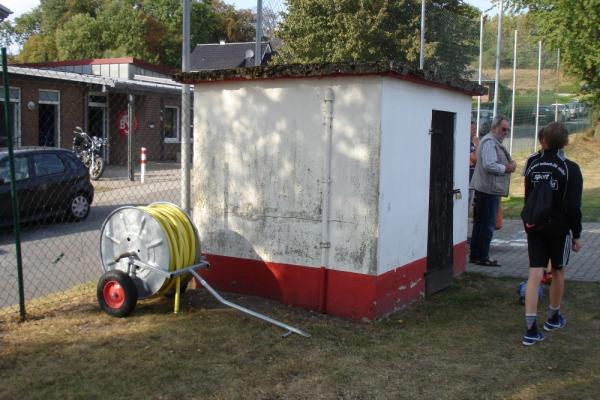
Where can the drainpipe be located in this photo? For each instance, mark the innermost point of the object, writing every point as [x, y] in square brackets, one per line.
[325, 243]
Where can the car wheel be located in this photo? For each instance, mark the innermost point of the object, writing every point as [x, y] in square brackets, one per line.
[117, 294]
[79, 207]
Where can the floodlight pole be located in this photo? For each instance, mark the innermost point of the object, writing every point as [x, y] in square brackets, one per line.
[537, 100]
[514, 91]
[422, 45]
[185, 113]
[498, 52]
[557, 85]
[258, 48]
[480, 65]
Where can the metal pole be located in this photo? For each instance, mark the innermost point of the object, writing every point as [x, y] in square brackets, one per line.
[13, 187]
[557, 85]
[480, 65]
[422, 48]
[537, 100]
[514, 91]
[498, 52]
[245, 310]
[130, 128]
[258, 48]
[185, 114]
[325, 243]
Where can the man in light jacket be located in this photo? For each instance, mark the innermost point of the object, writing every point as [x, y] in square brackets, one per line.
[491, 181]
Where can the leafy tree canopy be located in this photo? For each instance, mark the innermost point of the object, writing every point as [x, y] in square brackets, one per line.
[574, 27]
[147, 29]
[317, 31]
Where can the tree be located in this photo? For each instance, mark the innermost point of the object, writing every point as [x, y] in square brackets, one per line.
[574, 27]
[78, 38]
[317, 31]
[147, 29]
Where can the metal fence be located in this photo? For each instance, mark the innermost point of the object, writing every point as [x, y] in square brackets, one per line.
[142, 109]
[60, 255]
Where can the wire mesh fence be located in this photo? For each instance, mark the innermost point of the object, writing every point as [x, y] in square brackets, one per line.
[132, 105]
[64, 203]
[533, 89]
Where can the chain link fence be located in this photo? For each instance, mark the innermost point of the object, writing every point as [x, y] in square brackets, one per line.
[133, 105]
[61, 208]
[518, 85]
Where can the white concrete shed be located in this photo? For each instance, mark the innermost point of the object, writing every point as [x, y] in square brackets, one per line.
[331, 187]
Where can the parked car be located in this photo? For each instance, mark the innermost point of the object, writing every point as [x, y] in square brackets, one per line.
[485, 120]
[573, 107]
[546, 115]
[582, 109]
[563, 112]
[49, 182]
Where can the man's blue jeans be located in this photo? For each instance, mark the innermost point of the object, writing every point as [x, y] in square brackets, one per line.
[484, 224]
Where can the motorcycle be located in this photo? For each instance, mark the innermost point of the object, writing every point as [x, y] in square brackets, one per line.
[89, 150]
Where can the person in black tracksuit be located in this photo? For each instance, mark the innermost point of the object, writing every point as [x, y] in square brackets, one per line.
[554, 242]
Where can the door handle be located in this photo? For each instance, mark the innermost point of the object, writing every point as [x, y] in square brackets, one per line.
[456, 193]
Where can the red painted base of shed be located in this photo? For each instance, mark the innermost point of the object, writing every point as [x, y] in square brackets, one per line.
[340, 293]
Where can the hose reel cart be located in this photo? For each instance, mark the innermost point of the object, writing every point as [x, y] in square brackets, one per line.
[150, 251]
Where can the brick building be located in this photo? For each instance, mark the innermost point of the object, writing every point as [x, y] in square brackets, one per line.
[47, 102]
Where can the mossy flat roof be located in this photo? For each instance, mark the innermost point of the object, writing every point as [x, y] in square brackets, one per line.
[296, 71]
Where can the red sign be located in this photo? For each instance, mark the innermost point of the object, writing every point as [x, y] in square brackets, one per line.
[123, 123]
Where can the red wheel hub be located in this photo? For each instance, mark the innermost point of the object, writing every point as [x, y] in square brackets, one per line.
[114, 294]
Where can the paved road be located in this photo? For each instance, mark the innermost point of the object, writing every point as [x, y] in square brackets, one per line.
[57, 256]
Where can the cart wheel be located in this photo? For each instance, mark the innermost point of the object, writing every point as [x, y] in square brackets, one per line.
[117, 293]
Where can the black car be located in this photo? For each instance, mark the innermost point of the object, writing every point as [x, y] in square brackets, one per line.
[50, 182]
[546, 115]
[485, 120]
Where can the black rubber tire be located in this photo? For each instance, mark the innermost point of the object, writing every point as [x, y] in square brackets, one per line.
[113, 278]
[97, 168]
[79, 207]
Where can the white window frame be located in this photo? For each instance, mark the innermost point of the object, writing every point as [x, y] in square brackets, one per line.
[57, 103]
[177, 128]
[16, 115]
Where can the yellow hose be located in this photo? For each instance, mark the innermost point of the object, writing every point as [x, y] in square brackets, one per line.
[181, 240]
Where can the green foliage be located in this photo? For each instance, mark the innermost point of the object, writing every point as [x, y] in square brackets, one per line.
[145, 29]
[78, 38]
[527, 45]
[320, 31]
[572, 26]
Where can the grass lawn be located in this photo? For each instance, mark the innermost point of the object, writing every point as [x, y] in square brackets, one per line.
[463, 343]
[583, 150]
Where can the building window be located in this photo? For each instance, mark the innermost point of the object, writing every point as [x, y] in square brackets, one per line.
[14, 108]
[49, 97]
[171, 124]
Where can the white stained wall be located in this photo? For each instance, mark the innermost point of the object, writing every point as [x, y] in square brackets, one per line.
[405, 158]
[259, 148]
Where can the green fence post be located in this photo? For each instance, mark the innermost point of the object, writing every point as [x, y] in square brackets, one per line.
[13, 187]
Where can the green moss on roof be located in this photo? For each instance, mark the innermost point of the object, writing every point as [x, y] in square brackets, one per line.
[392, 69]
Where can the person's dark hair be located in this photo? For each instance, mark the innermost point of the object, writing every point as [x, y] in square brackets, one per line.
[498, 120]
[540, 135]
[556, 135]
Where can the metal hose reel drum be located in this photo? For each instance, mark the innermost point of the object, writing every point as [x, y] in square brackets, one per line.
[160, 235]
[148, 251]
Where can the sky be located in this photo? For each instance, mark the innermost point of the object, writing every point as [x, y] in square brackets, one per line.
[19, 7]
